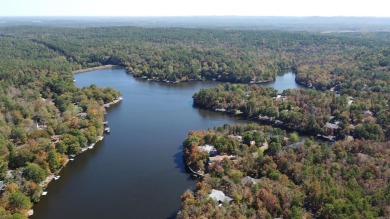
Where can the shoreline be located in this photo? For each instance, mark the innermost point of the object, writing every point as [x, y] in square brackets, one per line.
[93, 69]
[274, 124]
[45, 183]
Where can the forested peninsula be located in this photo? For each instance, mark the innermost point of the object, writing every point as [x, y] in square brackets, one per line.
[252, 171]
[44, 118]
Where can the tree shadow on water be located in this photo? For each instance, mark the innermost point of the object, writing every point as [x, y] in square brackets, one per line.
[180, 164]
[179, 160]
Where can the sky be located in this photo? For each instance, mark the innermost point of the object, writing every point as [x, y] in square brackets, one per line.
[361, 8]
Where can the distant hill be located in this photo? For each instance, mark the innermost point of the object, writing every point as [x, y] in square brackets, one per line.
[317, 24]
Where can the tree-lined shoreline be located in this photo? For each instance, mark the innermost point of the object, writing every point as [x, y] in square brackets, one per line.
[44, 117]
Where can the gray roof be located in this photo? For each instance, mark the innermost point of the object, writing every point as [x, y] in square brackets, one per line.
[368, 113]
[218, 195]
[249, 181]
[208, 148]
[331, 125]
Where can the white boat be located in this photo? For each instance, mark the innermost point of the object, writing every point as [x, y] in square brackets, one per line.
[44, 193]
[71, 159]
[56, 177]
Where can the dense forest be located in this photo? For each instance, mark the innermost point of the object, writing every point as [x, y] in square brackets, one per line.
[263, 172]
[178, 54]
[44, 118]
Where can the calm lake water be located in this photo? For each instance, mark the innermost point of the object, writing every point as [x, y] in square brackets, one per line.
[283, 82]
[137, 171]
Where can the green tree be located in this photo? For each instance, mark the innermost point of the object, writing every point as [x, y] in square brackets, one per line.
[53, 161]
[19, 201]
[34, 173]
[3, 169]
[294, 137]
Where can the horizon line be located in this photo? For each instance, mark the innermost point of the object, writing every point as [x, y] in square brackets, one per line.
[184, 16]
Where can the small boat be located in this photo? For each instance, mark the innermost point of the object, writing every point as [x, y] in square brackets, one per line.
[107, 130]
[71, 159]
[44, 193]
[56, 177]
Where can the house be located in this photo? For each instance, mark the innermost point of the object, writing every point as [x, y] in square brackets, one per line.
[55, 138]
[280, 97]
[220, 158]
[350, 101]
[220, 110]
[237, 137]
[267, 118]
[9, 174]
[248, 181]
[331, 128]
[219, 196]
[296, 145]
[82, 115]
[208, 148]
[40, 127]
[368, 113]
[278, 122]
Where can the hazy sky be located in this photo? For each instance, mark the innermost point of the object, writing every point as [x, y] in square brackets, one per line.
[377, 8]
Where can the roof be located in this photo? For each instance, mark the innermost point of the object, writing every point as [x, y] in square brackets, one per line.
[331, 125]
[55, 136]
[220, 158]
[296, 145]
[218, 195]
[82, 115]
[368, 113]
[208, 148]
[237, 137]
[249, 181]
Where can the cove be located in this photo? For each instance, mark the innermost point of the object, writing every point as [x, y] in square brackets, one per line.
[137, 171]
[283, 82]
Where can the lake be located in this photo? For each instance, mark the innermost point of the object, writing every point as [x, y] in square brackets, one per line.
[283, 82]
[137, 171]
